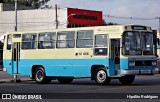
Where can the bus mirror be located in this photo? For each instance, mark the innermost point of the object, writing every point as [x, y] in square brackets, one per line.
[158, 41]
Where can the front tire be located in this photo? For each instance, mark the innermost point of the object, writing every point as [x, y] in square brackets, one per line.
[101, 77]
[40, 76]
[65, 80]
[126, 80]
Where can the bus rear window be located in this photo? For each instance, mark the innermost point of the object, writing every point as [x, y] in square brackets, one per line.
[9, 41]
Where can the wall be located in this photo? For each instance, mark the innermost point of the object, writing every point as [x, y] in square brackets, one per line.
[37, 19]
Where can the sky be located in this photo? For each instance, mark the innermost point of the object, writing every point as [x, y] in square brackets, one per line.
[144, 9]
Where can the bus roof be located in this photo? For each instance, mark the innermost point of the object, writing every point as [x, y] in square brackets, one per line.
[111, 28]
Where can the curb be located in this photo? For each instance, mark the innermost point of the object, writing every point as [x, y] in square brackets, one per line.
[12, 81]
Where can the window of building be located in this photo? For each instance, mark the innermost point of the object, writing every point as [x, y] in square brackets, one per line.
[85, 39]
[9, 41]
[66, 39]
[46, 40]
[29, 41]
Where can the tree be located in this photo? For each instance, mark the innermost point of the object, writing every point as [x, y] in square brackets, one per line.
[32, 3]
[107, 24]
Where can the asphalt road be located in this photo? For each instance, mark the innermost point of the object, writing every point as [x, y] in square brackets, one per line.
[142, 84]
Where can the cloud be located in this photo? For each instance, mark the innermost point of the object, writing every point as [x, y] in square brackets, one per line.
[154, 9]
[121, 11]
[125, 8]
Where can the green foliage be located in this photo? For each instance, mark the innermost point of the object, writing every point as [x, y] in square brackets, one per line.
[111, 23]
[7, 1]
[107, 24]
[104, 22]
[31, 3]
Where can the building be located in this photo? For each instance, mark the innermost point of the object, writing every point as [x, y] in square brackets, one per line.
[82, 18]
[42, 19]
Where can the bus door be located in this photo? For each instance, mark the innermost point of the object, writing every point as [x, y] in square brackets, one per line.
[15, 53]
[15, 57]
[114, 61]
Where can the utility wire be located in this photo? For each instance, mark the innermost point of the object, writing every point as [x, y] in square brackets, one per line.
[134, 18]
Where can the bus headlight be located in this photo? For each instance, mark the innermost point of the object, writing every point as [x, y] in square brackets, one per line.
[132, 63]
[154, 63]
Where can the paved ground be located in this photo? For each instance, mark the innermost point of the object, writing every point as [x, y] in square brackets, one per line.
[83, 87]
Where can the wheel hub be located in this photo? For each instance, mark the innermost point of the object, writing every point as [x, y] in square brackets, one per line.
[101, 76]
[39, 75]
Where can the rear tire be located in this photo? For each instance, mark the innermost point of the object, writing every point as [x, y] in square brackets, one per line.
[40, 76]
[65, 80]
[101, 77]
[126, 80]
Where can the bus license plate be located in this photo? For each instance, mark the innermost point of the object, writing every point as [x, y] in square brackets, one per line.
[146, 72]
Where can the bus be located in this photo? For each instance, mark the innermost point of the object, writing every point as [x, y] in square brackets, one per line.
[158, 47]
[1, 55]
[100, 53]
[1, 51]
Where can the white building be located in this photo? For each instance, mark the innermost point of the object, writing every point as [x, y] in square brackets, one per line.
[43, 19]
[36, 19]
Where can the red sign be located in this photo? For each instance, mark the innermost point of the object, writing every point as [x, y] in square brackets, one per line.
[84, 17]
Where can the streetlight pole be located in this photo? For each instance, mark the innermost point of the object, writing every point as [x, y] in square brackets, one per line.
[68, 18]
[71, 15]
[15, 15]
[159, 25]
[56, 16]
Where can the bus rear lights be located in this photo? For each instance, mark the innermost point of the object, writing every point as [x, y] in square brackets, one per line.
[132, 63]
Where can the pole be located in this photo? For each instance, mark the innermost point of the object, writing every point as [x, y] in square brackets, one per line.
[15, 15]
[56, 16]
[159, 25]
[15, 76]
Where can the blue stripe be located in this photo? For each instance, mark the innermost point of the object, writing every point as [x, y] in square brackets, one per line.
[67, 67]
[124, 63]
[59, 67]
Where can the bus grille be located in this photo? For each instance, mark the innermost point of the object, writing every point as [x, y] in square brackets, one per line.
[143, 63]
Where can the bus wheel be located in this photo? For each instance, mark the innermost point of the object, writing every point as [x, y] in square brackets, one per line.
[101, 77]
[65, 80]
[40, 76]
[126, 80]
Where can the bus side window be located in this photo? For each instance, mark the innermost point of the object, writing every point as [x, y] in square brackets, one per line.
[29, 41]
[46, 40]
[9, 42]
[84, 39]
[66, 39]
[158, 41]
[40, 45]
[101, 45]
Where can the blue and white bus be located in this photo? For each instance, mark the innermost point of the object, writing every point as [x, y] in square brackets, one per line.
[101, 53]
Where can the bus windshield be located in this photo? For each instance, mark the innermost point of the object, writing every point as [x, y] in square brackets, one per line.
[134, 44]
[147, 43]
[131, 43]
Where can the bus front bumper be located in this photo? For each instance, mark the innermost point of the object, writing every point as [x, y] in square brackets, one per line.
[139, 72]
